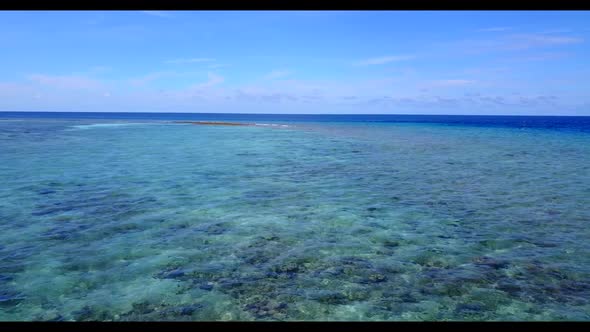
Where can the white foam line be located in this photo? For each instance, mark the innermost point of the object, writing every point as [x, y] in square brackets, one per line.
[271, 125]
[109, 125]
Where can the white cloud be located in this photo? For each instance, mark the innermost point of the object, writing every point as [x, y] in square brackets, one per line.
[558, 31]
[143, 80]
[65, 81]
[525, 41]
[515, 42]
[213, 79]
[384, 59]
[543, 57]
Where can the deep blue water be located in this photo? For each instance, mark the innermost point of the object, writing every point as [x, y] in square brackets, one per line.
[578, 123]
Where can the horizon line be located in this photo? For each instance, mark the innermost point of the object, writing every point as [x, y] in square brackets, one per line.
[319, 114]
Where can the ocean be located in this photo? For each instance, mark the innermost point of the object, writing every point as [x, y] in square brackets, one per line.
[132, 216]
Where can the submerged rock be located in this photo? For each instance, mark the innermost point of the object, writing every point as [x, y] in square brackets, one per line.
[86, 313]
[288, 267]
[430, 259]
[391, 243]
[332, 271]
[174, 273]
[270, 237]
[470, 307]
[491, 262]
[575, 285]
[446, 289]
[4, 278]
[213, 229]
[490, 299]
[330, 297]
[509, 287]
[58, 318]
[147, 311]
[375, 278]
[498, 244]
[144, 307]
[10, 298]
[355, 261]
[229, 284]
[357, 294]
[408, 298]
[292, 266]
[206, 286]
[265, 308]
[190, 309]
[257, 257]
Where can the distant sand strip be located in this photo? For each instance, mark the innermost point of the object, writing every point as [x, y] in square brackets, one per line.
[217, 123]
[210, 123]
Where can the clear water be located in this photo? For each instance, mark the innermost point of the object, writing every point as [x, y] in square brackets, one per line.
[140, 218]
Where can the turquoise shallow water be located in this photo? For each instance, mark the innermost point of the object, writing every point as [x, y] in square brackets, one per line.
[151, 220]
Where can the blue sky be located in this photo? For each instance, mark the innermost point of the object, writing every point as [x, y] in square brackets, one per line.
[365, 62]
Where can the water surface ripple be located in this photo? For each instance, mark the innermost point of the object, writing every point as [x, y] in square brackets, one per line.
[150, 220]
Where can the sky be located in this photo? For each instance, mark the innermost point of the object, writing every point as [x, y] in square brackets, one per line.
[308, 62]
